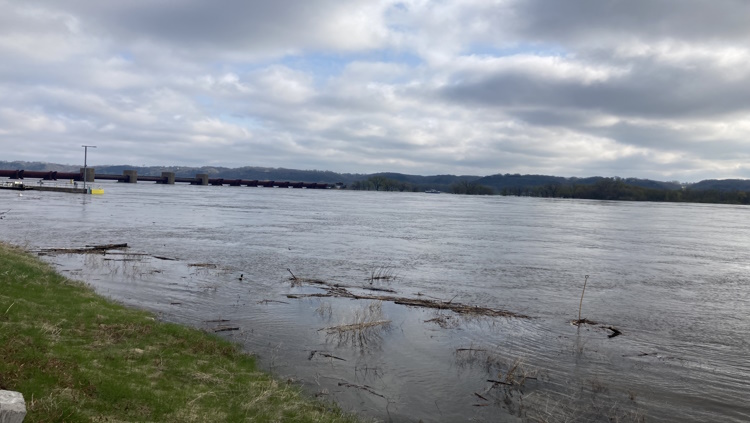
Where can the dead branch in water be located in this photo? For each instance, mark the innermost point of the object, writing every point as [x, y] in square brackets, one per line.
[333, 290]
[481, 396]
[290, 272]
[226, 329]
[107, 246]
[89, 249]
[614, 330]
[298, 281]
[272, 301]
[355, 326]
[362, 387]
[323, 354]
[309, 295]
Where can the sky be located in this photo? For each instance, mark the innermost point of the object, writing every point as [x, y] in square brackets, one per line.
[654, 89]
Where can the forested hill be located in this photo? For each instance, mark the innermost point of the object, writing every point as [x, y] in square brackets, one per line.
[722, 185]
[523, 182]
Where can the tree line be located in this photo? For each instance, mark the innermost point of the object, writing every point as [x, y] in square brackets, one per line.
[382, 183]
[617, 189]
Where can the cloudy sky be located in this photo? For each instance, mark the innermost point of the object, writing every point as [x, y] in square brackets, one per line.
[633, 88]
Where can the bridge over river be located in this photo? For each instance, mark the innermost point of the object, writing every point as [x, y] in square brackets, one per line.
[131, 176]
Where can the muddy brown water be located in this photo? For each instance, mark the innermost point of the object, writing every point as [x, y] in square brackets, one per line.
[672, 277]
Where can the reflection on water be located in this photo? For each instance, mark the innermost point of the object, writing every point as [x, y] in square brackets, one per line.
[672, 277]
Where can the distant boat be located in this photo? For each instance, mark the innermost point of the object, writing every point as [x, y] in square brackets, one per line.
[432, 191]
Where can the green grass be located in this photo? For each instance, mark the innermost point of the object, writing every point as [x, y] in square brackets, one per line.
[76, 356]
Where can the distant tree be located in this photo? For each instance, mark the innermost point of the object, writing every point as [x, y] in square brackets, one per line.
[470, 188]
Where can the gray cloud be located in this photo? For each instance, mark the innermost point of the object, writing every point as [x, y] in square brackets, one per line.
[595, 22]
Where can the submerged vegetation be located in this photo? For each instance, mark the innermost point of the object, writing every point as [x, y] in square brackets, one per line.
[76, 356]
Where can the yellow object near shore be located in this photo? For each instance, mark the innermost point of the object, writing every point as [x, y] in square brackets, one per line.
[97, 191]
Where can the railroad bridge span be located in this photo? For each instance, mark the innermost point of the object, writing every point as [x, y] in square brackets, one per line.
[168, 178]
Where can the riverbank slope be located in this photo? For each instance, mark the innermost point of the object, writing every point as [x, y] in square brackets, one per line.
[77, 356]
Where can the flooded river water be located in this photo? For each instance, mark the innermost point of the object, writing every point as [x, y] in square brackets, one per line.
[672, 278]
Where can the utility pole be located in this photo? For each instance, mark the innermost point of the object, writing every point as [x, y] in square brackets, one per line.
[85, 156]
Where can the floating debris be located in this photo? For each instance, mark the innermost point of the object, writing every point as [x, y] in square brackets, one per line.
[89, 249]
[336, 290]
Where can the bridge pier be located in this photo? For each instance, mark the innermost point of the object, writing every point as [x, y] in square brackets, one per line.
[200, 179]
[90, 174]
[131, 176]
[168, 178]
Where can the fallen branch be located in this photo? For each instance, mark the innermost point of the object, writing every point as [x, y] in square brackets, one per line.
[107, 246]
[615, 331]
[226, 329]
[89, 249]
[272, 301]
[308, 295]
[499, 382]
[333, 290]
[355, 326]
[481, 396]
[362, 387]
[323, 354]
[371, 288]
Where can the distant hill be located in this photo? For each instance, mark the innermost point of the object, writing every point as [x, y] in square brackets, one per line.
[517, 181]
[499, 182]
[722, 185]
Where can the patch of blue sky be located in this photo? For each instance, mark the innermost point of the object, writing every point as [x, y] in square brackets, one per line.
[243, 121]
[206, 101]
[126, 56]
[322, 67]
[545, 50]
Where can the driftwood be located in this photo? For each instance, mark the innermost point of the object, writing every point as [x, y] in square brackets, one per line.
[107, 246]
[355, 326]
[313, 353]
[203, 265]
[272, 301]
[335, 290]
[89, 249]
[499, 382]
[298, 281]
[308, 295]
[614, 330]
[362, 387]
[225, 329]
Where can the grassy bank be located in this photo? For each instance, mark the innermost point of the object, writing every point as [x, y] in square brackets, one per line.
[76, 356]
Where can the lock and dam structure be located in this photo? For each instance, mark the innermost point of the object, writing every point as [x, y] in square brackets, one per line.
[131, 176]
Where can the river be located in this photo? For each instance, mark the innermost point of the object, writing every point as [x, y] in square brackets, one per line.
[672, 278]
